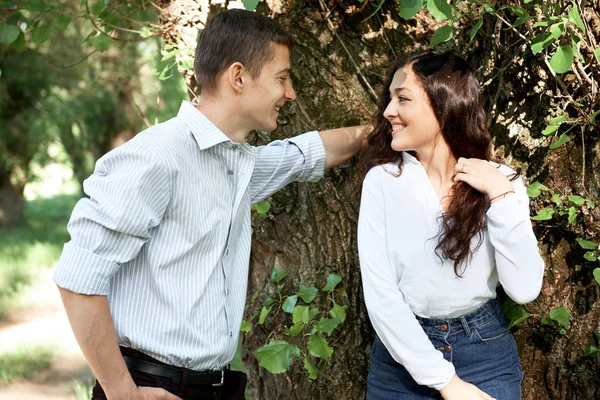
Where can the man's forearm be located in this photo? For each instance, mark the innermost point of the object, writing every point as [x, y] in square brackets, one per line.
[341, 144]
[94, 330]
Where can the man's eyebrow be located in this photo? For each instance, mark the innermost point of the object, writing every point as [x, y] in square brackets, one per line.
[284, 70]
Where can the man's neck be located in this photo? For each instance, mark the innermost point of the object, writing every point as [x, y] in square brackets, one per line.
[218, 112]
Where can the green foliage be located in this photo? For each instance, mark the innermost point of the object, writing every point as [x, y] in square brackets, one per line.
[250, 5]
[23, 362]
[409, 8]
[277, 356]
[559, 318]
[261, 208]
[277, 275]
[514, 312]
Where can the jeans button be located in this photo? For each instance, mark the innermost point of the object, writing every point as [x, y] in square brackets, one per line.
[447, 348]
[444, 327]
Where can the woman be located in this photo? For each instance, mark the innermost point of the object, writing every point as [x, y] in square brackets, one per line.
[440, 228]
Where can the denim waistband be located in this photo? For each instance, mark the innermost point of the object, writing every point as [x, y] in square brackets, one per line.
[483, 314]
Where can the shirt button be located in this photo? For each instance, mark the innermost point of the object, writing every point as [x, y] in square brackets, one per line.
[230, 334]
[227, 252]
[444, 327]
[230, 172]
[234, 146]
[447, 348]
[227, 291]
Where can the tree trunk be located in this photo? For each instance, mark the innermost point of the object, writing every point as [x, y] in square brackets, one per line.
[12, 201]
[338, 65]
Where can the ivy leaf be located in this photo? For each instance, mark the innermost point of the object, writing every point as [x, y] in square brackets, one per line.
[556, 199]
[289, 304]
[277, 275]
[62, 21]
[245, 327]
[313, 373]
[577, 200]
[296, 328]
[597, 53]
[557, 30]
[475, 29]
[442, 34]
[250, 5]
[318, 347]
[587, 244]
[572, 215]
[8, 33]
[34, 5]
[267, 301]
[307, 294]
[300, 314]
[591, 256]
[276, 356]
[102, 42]
[332, 282]
[41, 34]
[597, 278]
[327, 325]
[514, 312]
[562, 139]
[560, 315]
[544, 214]
[540, 42]
[339, 312]
[519, 11]
[575, 18]
[535, 189]
[409, 8]
[263, 314]
[439, 9]
[550, 129]
[262, 208]
[558, 120]
[595, 114]
[590, 351]
[562, 60]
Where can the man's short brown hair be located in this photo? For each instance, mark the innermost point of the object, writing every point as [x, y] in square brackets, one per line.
[236, 36]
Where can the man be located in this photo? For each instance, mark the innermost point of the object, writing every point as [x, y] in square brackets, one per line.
[154, 278]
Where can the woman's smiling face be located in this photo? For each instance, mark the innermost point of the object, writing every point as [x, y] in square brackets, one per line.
[414, 125]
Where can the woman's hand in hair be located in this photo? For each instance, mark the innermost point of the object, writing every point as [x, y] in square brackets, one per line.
[458, 389]
[483, 176]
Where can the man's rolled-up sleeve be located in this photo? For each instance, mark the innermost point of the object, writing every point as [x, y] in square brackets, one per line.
[129, 192]
[301, 158]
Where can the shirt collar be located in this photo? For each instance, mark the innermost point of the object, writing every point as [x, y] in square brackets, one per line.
[409, 158]
[205, 132]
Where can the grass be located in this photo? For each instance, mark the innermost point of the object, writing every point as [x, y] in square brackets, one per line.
[23, 362]
[25, 250]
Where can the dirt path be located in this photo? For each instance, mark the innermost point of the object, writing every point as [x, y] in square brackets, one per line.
[42, 322]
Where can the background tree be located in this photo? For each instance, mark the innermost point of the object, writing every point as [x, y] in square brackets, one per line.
[538, 63]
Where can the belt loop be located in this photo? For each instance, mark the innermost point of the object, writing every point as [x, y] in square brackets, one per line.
[184, 373]
[466, 326]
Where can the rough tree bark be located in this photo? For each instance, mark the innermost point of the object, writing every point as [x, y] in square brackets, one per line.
[338, 62]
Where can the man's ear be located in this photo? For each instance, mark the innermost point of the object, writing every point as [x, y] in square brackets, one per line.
[236, 74]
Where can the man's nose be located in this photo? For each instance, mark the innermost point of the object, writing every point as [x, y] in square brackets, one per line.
[289, 93]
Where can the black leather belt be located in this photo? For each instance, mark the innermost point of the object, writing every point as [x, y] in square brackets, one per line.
[215, 377]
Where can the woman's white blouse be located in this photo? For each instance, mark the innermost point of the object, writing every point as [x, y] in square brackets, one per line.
[398, 230]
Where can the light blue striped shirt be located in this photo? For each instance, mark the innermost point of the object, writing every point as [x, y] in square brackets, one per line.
[165, 234]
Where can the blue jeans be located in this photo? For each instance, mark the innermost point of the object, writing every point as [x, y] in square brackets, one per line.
[482, 350]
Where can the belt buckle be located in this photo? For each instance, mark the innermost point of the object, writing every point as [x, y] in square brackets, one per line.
[222, 377]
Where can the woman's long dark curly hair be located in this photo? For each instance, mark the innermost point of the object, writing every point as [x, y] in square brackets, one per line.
[454, 95]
